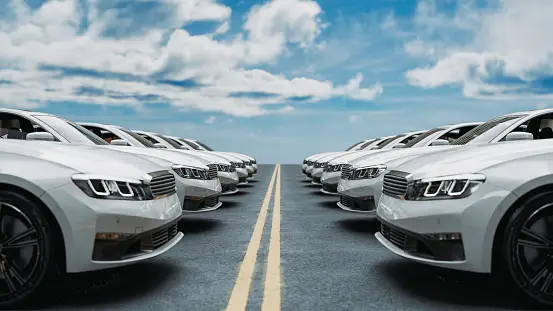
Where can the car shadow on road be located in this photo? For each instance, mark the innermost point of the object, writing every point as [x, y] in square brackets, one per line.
[229, 204]
[328, 204]
[248, 185]
[241, 192]
[94, 289]
[453, 287]
[305, 181]
[191, 225]
[360, 225]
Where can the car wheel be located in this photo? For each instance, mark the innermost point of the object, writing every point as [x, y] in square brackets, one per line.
[528, 247]
[26, 248]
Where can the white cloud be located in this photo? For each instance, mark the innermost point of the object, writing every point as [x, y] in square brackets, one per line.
[210, 120]
[507, 51]
[51, 36]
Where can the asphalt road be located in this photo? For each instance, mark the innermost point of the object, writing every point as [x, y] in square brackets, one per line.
[329, 260]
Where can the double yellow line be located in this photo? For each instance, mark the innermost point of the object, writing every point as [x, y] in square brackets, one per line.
[271, 295]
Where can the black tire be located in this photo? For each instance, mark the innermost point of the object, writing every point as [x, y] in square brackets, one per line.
[40, 267]
[522, 239]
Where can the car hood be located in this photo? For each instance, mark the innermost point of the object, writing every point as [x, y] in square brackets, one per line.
[209, 157]
[397, 155]
[322, 155]
[227, 156]
[346, 157]
[240, 155]
[174, 157]
[472, 158]
[318, 155]
[85, 159]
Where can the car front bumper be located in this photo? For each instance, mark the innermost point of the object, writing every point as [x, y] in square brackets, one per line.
[316, 175]
[409, 228]
[308, 171]
[360, 195]
[202, 195]
[146, 228]
[329, 181]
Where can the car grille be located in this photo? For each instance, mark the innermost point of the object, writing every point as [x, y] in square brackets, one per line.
[397, 238]
[162, 183]
[395, 183]
[212, 172]
[242, 179]
[346, 171]
[333, 168]
[347, 202]
[158, 238]
[211, 201]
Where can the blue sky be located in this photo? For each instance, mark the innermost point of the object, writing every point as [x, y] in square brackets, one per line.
[280, 79]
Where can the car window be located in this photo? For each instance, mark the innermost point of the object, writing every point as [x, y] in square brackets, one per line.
[487, 131]
[145, 142]
[190, 144]
[104, 134]
[541, 127]
[356, 144]
[385, 142]
[170, 141]
[14, 127]
[422, 136]
[204, 145]
[74, 133]
[407, 139]
[456, 133]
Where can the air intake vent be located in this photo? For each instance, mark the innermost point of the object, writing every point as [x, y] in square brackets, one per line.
[162, 183]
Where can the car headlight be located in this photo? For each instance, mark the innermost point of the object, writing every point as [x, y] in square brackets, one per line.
[190, 172]
[115, 188]
[367, 172]
[445, 187]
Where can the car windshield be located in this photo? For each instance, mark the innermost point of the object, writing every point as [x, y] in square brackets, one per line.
[204, 145]
[487, 131]
[385, 142]
[190, 144]
[74, 133]
[422, 136]
[169, 141]
[140, 139]
[366, 144]
[354, 145]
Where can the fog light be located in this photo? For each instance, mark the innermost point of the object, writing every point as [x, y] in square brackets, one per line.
[193, 198]
[109, 236]
[450, 236]
[366, 198]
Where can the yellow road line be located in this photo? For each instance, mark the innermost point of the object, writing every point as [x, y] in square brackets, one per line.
[271, 295]
[239, 296]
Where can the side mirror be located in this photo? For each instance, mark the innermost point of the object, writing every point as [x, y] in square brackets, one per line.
[439, 142]
[43, 136]
[119, 142]
[399, 145]
[160, 145]
[514, 136]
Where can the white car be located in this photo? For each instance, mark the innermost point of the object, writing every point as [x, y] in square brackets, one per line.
[164, 142]
[354, 147]
[360, 185]
[198, 186]
[309, 162]
[251, 163]
[70, 208]
[394, 142]
[120, 136]
[484, 209]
